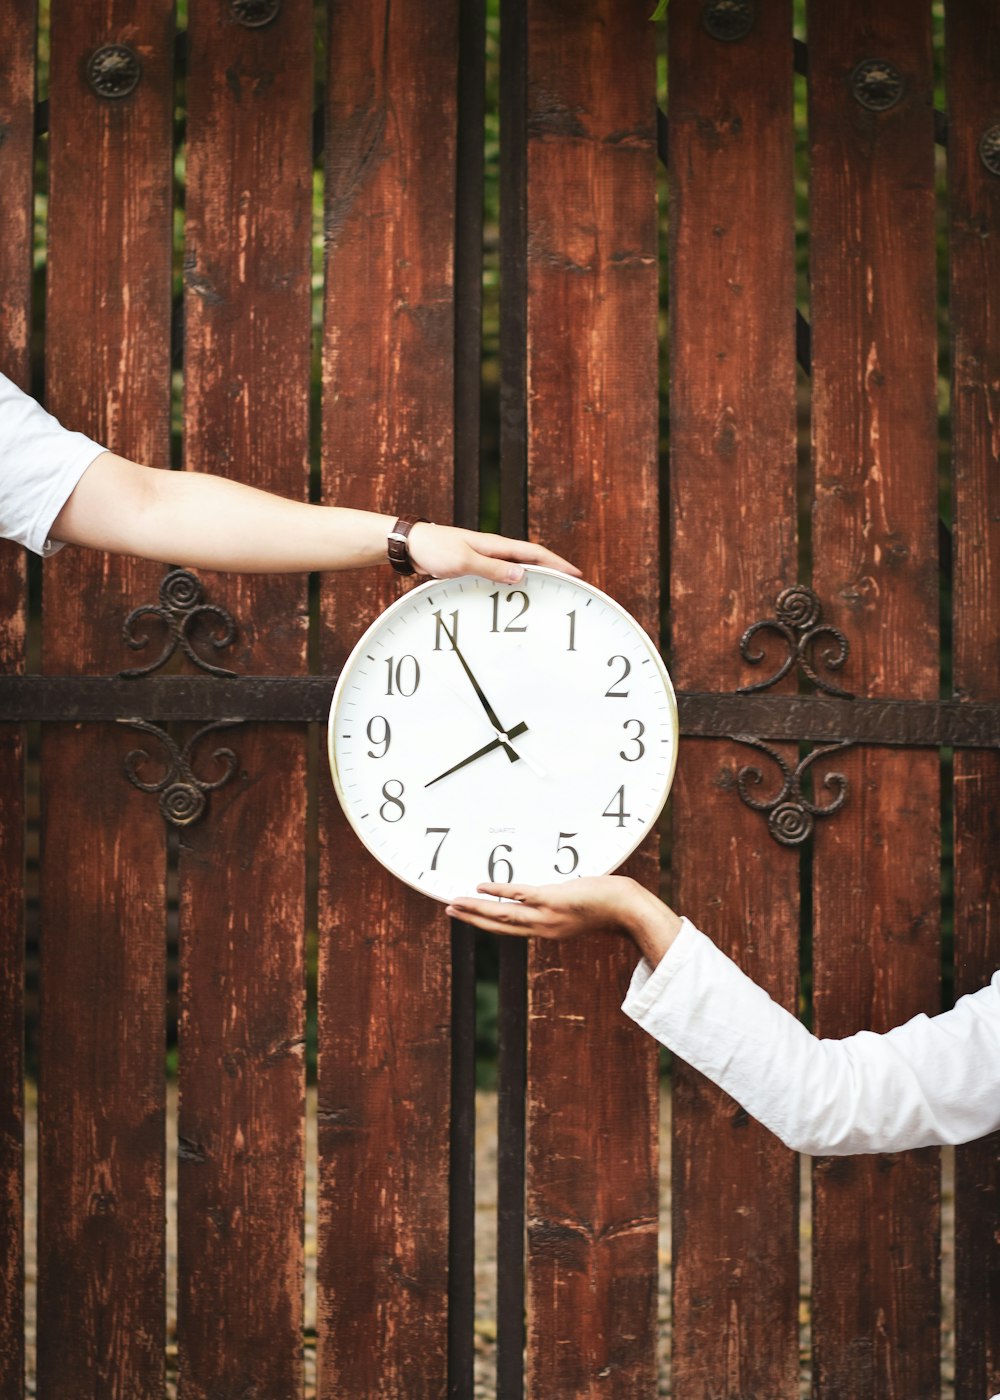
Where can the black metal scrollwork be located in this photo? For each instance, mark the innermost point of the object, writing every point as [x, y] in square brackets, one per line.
[182, 793]
[180, 607]
[790, 815]
[798, 621]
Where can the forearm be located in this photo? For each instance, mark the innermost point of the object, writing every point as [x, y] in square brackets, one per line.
[209, 522]
[650, 923]
[929, 1081]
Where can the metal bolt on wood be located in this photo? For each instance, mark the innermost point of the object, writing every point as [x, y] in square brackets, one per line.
[989, 149]
[728, 20]
[113, 71]
[876, 85]
[254, 14]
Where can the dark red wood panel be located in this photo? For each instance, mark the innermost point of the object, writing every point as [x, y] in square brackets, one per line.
[101, 1090]
[973, 62]
[733, 549]
[876, 865]
[384, 998]
[17, 124]
[592, 392]
[242, 870]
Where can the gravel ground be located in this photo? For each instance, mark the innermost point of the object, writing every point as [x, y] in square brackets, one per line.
[485, 1323]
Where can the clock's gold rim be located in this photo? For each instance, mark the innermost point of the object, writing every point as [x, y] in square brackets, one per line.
[405, 599]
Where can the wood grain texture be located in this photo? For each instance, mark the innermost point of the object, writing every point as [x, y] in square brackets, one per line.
[101, 1089]
[591, 1113]
[388, 405]
[973, 62]
[876, 866]
[17, 124]
[733, 548]
[242, 870]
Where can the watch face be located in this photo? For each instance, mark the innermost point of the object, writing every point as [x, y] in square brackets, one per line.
[488, 732]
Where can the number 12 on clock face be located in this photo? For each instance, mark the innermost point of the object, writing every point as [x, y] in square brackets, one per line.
[483, 732]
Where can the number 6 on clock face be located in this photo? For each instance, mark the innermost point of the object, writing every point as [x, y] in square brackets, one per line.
[482, 732]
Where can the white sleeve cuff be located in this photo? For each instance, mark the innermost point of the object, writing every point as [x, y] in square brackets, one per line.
[648, 983]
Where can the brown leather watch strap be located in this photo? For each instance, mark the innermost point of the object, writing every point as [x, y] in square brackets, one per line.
[398, 548]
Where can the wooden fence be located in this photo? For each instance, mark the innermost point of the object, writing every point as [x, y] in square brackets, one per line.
[902, 559]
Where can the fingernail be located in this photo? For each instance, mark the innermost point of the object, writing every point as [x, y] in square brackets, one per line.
[515, 574]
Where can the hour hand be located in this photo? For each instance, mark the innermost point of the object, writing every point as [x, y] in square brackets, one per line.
[497, 743]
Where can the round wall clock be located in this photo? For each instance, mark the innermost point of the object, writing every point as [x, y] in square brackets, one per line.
[484, 732]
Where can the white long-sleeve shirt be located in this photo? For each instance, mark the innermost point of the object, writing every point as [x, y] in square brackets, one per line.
[933, 1080]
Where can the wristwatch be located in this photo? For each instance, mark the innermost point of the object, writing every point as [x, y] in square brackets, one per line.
[398, 545]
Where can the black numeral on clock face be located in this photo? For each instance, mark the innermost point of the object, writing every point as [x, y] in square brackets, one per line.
[404, 674]
[441, 831]
[611, 693]
[572, 853]
[380, 735]
[392, 809]
[496, 861]
[635, 739]
[512, 623]
[572, 630]
[617, 813]
[440, 626]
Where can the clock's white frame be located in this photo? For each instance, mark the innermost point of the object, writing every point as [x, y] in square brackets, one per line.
[409, 599]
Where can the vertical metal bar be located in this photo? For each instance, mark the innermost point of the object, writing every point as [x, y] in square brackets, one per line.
[468, 380]
[512, 1016]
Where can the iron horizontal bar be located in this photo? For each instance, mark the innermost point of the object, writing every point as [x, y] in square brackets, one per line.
[96, 699]
[831, 719]
[306, 699]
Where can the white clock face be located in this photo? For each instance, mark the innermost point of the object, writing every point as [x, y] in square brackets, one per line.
[484, 732]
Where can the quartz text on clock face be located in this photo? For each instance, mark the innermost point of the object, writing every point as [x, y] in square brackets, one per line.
[485, 732]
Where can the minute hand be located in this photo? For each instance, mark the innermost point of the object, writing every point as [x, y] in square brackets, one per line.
[491, 713]
[521, 728]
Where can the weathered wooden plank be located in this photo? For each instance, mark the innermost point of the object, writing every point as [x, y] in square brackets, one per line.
[384, 998]
[17, 77]
[591, 393]
[242, 874]
[733, 548]
[876, 866]
[101, 1089]
[973, 62]
[17, 121]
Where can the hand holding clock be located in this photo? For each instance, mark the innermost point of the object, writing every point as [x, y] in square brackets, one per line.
[594, 904]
